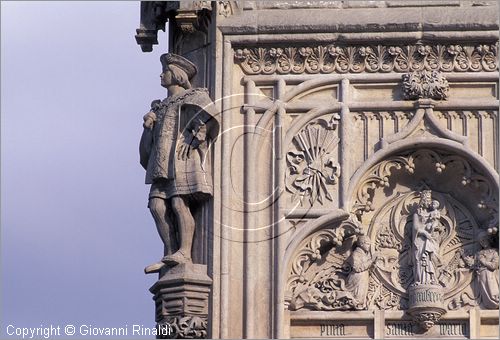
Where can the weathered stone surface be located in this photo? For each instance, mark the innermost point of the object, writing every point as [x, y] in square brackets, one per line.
[355, 178]
[362, 20]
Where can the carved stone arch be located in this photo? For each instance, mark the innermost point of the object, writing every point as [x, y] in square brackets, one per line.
[378, 170]
[263, 126]
[309, 247]
[391, 196]
[424, 118]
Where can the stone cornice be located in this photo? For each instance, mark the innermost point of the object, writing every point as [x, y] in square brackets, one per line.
[356, 20]
[368, 58]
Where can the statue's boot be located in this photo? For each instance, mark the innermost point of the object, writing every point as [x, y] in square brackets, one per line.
[154, 268]
[176, 258]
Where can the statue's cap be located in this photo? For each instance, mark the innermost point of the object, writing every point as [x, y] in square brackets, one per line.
[179, 61]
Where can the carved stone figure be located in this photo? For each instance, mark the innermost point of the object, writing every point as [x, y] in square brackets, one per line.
[178, 132]
[356, 284]
[426, 297]
[426, 230]
[486, 268]
[340, 282]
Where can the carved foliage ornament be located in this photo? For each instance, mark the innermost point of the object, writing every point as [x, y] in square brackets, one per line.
[425, 84]
[374, 58]
[311, 168]
[183, 327]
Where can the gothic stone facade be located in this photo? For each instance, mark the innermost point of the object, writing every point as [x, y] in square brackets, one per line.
[356, 173]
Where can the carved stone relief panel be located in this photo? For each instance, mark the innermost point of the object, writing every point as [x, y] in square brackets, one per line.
[312, 163]
[450, 241]
[313, 281]
[329, 272]
[407, 248]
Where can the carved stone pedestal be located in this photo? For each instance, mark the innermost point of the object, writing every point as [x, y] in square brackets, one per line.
[426, 304]
[181, 299]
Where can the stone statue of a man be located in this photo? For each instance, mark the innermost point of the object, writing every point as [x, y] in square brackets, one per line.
[178, 132]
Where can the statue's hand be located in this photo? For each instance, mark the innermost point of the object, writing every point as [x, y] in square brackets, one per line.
[186, 146]
[149, 120]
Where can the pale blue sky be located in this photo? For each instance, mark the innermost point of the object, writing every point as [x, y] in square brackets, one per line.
[75, 230]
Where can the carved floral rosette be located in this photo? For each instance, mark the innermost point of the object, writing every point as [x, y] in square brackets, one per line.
[311, 167]
[335, 58]
[425, 84]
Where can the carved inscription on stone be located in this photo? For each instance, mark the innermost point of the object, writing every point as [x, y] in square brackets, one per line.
[454, 329]
[399, 329]
[330, 330]
[403, 329]
[333, 329]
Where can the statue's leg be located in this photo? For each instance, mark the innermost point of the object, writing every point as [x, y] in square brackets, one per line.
[186, 225]
[159, 209]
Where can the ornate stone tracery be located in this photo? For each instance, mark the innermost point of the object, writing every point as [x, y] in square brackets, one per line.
[290, 72]
[379, 176]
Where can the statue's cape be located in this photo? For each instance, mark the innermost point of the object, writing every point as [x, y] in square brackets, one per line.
[180, 117]
[197, 107]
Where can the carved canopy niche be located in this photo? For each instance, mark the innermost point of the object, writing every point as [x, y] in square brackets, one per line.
[371, 261]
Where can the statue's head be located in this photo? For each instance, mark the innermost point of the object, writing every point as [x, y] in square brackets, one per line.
[425, 199]
[177, 70]
[435, 204]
